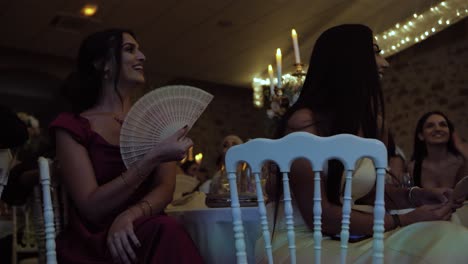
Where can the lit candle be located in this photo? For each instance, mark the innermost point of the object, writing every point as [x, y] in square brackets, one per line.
[296, 46]
[272, 85]
[278, 67]
[199, 158]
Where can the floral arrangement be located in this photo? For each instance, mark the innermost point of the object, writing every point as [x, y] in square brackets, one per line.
[286, 96]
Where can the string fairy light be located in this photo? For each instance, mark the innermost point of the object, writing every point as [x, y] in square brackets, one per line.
[421, 26]
[404, 34]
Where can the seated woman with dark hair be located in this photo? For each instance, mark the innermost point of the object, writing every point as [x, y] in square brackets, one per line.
[439, 156]
[342, 94]
[116, 213]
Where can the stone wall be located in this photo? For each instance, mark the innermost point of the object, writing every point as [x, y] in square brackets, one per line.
[432, 75]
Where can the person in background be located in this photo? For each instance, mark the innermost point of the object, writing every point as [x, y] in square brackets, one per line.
[116, 213]
[24, 175]
[439, 156]
[13, 135]
[342, 94]
[14, 132]
[219, 181]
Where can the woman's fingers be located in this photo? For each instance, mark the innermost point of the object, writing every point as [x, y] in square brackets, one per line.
[459, 203]
[134, 238]
[444, 212]
[440, 194]
[128, 248]
[187, 142]
[120, 249]
[434, 207]
[181, 133]
[113, 250]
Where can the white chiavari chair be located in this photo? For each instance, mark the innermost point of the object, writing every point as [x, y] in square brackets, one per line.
[317, 150]
[48, 211]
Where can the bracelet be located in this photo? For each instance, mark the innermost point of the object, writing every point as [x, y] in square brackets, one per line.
[149, 205]
[132, 212]
[396, 220]
[142, 208]
[410, 195]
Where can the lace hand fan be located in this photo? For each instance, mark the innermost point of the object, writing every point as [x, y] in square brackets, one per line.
[158, 115]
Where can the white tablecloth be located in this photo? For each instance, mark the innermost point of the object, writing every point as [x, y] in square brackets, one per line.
[212, 231]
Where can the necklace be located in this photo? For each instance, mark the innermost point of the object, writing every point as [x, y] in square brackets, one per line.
[118, 120]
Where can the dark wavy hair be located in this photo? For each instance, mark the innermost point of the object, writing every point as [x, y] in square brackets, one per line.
[83, 87]
[420, 149]
[342, 87]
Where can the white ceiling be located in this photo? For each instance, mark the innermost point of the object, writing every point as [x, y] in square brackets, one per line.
[221, 41]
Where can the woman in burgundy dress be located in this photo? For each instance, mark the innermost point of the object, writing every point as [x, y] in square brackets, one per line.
[117, 213]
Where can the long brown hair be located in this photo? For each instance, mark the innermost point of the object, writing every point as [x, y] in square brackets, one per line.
[83, 87]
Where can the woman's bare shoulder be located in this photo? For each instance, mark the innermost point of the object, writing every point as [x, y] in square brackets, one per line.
[302, 120]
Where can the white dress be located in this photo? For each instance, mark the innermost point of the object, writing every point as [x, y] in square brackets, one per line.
[424, 242]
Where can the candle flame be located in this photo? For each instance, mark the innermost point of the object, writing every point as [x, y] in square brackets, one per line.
[199, 158]
[293, 32]
[278, 52]
[89, 10]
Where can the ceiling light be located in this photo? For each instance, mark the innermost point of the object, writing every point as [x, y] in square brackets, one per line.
[89, 10]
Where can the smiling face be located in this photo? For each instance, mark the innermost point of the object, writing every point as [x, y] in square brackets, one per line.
[435, 130]
[382, 63]
[132, 70]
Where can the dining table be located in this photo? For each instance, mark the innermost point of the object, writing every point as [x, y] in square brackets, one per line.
[211, 230]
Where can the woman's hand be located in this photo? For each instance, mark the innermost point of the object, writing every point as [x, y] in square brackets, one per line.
[437, 195]
[458, 203]
[119, 236]
[460, 145]
[172, 148]
[428, 212]
[423, 196]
